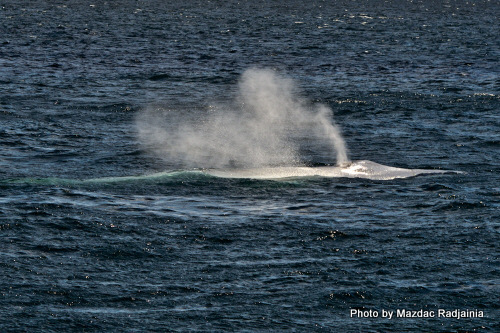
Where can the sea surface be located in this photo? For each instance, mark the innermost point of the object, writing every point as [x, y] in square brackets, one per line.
[98, 233]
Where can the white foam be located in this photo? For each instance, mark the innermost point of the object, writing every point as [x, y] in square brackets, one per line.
[358, 169]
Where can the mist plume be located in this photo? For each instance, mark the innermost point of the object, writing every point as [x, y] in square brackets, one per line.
[265, 125]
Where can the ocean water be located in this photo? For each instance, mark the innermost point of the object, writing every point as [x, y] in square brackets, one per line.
[102, 231]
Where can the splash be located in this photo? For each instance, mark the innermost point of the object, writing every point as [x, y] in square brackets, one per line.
[267, 124]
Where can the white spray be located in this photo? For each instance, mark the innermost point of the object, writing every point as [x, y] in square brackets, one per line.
[265, 126]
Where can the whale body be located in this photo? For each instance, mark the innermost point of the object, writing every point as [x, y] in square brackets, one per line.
[356, 169]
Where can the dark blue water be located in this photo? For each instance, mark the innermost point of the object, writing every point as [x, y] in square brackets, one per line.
[413, 84]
